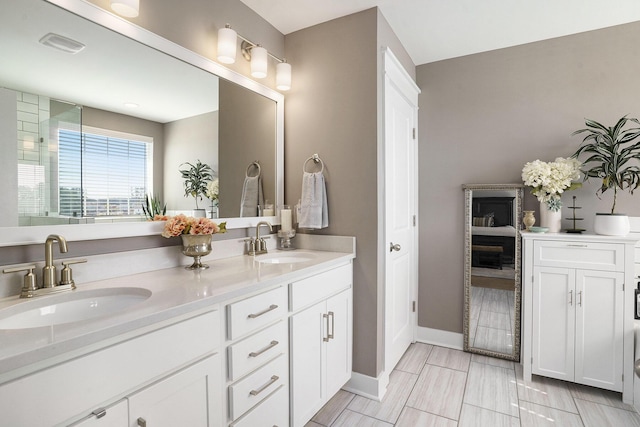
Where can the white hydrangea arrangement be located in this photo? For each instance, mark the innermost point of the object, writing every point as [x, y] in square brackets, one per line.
[550, 179]
[213, 190]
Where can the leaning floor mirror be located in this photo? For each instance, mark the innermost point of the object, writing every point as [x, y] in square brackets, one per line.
[492, 284]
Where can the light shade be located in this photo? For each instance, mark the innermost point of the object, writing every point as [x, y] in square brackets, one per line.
[259, 62]
[283, 76]
[227, 44]
[128, 8]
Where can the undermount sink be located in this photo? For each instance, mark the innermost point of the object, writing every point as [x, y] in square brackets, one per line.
[284, 258]
[70, 307]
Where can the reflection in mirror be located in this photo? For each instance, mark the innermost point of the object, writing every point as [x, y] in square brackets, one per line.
[140, 114]
[492, 282]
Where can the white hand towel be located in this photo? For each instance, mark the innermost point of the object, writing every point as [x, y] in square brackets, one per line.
[314, 212]
[252, 196]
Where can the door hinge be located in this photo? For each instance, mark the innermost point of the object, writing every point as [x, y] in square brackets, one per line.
[413, 306]
[414, 133]
[414, 220]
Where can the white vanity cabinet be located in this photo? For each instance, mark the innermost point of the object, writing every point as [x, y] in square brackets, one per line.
[575, 318]
[257, 360]
[174, 370]
[321, 340]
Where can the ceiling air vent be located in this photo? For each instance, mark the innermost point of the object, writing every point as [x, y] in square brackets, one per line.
[62, 43]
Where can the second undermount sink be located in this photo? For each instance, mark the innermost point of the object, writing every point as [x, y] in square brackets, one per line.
[70, 307]
[284, 257]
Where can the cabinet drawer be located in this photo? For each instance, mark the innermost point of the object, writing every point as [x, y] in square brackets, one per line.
[274, 411]
[251, 390]
[255, 312]
[316, 288]
[575, 254]
[256, 350]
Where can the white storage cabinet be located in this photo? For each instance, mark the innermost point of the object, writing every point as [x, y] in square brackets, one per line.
[574, 317]
[321, 340]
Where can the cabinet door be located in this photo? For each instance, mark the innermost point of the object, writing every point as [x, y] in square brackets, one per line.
[338, 360]
[599, 329]
[307, 348]
[190, 397]
[553, 331]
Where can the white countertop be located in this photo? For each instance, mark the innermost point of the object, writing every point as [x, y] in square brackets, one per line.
[176, 293]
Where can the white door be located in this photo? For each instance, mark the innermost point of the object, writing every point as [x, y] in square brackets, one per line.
[599, 329]
[400, 209]
[553, 331]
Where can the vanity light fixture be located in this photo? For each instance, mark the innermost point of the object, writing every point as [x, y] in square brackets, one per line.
[258, 55]
[227, 42]
[126, 8]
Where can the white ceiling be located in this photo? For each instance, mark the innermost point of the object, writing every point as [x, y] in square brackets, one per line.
[433, 30]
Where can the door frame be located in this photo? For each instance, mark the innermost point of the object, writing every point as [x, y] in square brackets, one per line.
[393, 73]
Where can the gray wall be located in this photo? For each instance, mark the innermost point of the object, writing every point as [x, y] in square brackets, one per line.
[194, 25]
[247, 134]
[332, 109]
[8, 156]
[482, 117]
[188, 140]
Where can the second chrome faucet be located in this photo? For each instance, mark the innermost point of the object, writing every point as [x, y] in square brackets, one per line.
[258, 245]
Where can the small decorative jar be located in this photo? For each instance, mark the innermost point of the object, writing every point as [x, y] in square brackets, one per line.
[529, 219]
[196, 246]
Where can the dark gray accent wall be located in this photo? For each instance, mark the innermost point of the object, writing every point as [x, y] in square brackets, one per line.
[483, 116]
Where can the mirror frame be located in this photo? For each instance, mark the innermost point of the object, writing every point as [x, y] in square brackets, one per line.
[468, 221]
[13, 236]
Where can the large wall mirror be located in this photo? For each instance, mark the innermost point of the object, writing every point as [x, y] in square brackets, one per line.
[85, 136]
[492, 282]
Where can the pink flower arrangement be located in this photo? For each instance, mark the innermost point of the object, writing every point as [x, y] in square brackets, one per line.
[182, 224]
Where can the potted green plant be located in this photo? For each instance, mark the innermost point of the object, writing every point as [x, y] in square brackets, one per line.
[613, 155]
[196, 178]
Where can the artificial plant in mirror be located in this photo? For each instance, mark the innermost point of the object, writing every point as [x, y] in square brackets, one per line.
[152, 114]
[492, 269]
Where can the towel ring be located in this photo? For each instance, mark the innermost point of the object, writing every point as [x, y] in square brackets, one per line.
[316, 159]
[257, 165]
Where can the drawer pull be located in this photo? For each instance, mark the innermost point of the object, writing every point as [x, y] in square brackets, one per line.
[273, 379]
[259, 352]
[333, 323]
[570, 297]
[265, 311]
[577, 246]
[142, 422]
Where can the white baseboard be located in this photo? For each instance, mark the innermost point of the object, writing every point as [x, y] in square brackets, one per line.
[439, 337]
[366, 386]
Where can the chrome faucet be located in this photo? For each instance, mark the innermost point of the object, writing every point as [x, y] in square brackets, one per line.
[258, 246]
[49, 270]
[49, 283]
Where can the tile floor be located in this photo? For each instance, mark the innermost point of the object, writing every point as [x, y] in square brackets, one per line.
[440, 387]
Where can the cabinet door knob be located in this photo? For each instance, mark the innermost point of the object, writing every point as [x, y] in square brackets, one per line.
[395, 247]
[326, 317]
[142, 422]
[333, 323]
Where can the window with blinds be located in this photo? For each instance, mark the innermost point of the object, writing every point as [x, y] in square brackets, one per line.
[103, 173]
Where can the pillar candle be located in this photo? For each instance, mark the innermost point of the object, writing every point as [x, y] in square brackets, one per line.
[285, 219]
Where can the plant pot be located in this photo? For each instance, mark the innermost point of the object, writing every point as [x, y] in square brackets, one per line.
[199, 213]
[611, 224]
